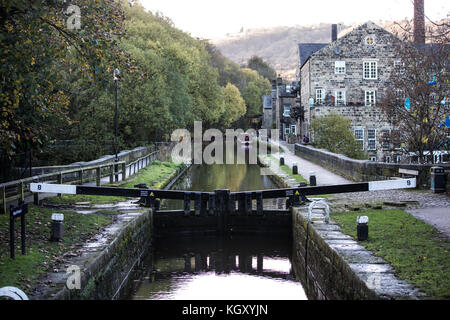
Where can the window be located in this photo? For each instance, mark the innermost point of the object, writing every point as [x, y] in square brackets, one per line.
[370, 70]
[386, 140]
[398, 158]
[396, 140]
[369, 98]
[387, 159]
[371, 139]
[339, 67]
[293, 129]
[399, 67]
[370, 40]
[373, 158]
[287, 111]
[320, 96]
[359, 136]
[286, 131]
[340, 98]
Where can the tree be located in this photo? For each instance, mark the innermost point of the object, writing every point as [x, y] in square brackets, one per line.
[256, 87]
[263, 68]
[417, 97]
[234, 105]
[333, 133]
[38, 45]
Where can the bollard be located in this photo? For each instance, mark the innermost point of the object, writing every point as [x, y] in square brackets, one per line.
[281, 161]
[362, 229]
[56, 227]
[294, 168]
[312, 179]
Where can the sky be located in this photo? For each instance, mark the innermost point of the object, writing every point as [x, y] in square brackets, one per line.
[212, 19]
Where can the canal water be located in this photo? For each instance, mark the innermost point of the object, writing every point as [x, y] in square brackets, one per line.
[220, 268]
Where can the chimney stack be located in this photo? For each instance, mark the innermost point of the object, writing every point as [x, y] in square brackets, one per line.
[333, 32]
[419, 22]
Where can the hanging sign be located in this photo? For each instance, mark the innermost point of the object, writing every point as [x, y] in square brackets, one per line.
[407, 104]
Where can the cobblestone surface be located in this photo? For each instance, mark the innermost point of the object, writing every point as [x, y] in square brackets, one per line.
[416, 199]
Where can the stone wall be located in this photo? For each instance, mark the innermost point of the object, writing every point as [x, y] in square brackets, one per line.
[332, 266]
[318, 73]
[363, 170]
[106, 268]
[365, 119]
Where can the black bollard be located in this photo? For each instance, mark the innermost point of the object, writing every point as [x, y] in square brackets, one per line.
[312, 179]
[281, 161]
[294, 168]
[362, 229]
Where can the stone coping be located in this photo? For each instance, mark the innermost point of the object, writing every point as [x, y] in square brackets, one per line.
[376, 273]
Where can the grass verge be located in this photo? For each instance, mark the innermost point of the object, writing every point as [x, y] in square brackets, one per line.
[415, 249]
[42, 255]
[154, 175]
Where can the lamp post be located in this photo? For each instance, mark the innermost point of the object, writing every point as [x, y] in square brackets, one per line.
[116, 120]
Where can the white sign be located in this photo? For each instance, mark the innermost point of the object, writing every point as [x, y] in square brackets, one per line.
[362, 220]
[53, 188]
[57, 217]
[392, 184]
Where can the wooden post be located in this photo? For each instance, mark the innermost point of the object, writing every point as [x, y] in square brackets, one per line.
[259, 204]
[232, 202]
[197, 203]
[241, 204]
[222, 209]
[4, 200]
[211, 204]
[259, 263]
[248, 205]
[21, 192]
[111, 174]
[11, 235]
[36, 198]
[80, 176]
[98, 176]
[124, 171]
[60, 180]
[187, 204]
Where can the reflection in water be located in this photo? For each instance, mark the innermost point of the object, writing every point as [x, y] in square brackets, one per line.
[251, 267]
[235, 177]
[220, 269]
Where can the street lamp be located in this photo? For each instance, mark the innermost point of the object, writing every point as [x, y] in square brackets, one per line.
[116, 119]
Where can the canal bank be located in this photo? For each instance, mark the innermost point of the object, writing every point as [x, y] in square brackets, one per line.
[330, 264]
[201, 265]
[324, 266]
[103, 267]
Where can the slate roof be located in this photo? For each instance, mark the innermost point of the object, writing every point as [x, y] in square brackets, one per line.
[267, 101]
[306, 50]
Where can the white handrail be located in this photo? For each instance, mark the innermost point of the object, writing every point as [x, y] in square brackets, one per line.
[327, 210]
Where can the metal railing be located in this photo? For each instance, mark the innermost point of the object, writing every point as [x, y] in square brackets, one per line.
[19, 189]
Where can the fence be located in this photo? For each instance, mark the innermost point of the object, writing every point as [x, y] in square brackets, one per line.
[19, 189]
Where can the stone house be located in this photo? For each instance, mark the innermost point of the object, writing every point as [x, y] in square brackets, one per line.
[267, 112]
[348, 76]
[284, 99]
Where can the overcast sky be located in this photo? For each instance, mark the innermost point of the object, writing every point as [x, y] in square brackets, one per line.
[214, 18]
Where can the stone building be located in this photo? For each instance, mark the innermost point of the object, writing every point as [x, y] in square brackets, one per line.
[267, 112]
[284, 99]
[348, 76]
